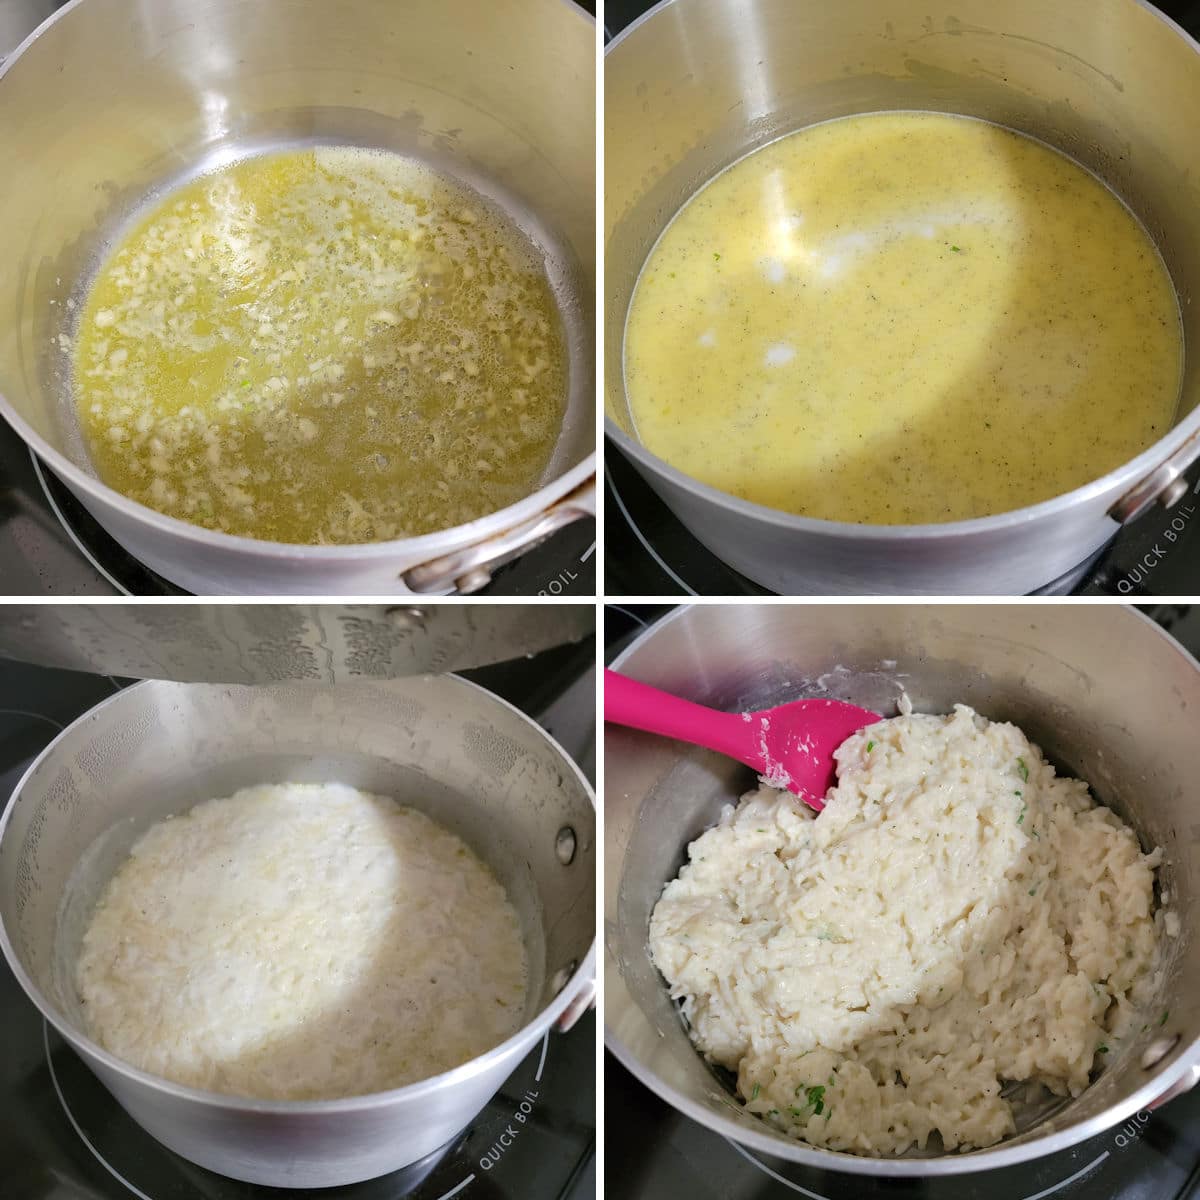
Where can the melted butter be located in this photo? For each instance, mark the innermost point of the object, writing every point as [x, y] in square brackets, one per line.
[902, 318]
[322, 346]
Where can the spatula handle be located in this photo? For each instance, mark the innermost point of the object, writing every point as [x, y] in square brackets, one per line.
[640, 706]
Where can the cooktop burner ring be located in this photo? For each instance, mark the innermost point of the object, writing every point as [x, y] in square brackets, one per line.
[159, 586]
[421, 1169]
[34, 716]
[83, 1137]
[1083, 1171]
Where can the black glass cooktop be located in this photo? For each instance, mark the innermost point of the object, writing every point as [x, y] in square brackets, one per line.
[652, 1152]
[63, 1137]
[648, 552]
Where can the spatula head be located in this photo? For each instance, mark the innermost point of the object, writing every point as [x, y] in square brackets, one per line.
[797, 742]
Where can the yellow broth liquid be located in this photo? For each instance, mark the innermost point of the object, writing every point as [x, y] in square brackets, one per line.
[327, 345]
[902, 318]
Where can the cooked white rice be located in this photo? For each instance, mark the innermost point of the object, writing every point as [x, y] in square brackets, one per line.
[301, 941]
[957, 917]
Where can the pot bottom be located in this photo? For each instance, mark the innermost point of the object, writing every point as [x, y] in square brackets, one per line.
[1152, 1154]
[675, 526]
[557, 1070]
[142, 1161]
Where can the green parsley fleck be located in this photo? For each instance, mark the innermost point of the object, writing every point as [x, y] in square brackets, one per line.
[754, 1094]
[870, 747]
[773, 1112]
[831, 1081]
[716, 257]
[1163, 1019]
[245, 383]
[760, 831]
[1021, 818]
[955, 249]
[1033, 890]
[1102, 1049]
[1022, 770]
[814, 1097]
[796, 1112]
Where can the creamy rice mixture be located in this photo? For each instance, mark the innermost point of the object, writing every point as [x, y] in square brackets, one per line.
[301, 941]
[957, 918]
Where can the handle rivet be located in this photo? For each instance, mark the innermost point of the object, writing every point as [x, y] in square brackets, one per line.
[1173, 492]
[563, 976]
[406, 618]
[474, 580]
[1158, 1050]
[564, 845]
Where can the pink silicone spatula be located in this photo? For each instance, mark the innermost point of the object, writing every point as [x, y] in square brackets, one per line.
[791, 746]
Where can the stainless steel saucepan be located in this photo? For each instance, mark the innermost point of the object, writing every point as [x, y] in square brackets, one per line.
[696, 84]
[439, 743]
[1105, 693]
[110, 101]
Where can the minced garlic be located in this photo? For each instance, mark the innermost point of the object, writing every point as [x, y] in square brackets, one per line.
[320, 346]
